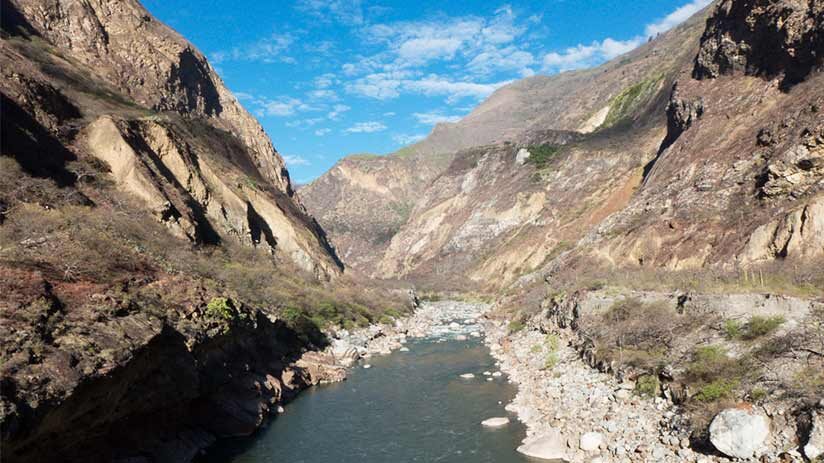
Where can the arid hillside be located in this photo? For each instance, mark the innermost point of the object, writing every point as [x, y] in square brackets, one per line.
[160, 278]
[700, 149]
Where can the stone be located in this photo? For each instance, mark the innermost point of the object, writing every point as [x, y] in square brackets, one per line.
[467, 376]
[497, 374]
[404, 349]
[548, 446]
[738, 432]
[522, 155]
[814, 447]
[460, 337]
[496, 422]
[591, 441]
[367, 366]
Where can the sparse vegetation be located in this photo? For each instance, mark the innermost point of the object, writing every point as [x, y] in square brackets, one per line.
[647, 385]
[630, 99]
[759, 326]
[542, 155]
[220, 308]
[515, 326]
[715, 375]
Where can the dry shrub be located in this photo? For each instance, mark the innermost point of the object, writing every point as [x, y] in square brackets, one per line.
[636, 333]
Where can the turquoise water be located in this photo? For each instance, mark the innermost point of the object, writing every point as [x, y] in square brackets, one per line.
[409, 407]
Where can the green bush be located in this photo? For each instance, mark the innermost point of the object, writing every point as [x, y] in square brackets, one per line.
[732, 329]
[647, 385]
[542, 155]
[717, 390]
[552, 342]
[551, 361]
[515, 326]
[536, 348]
[759, 326]
[220, 308]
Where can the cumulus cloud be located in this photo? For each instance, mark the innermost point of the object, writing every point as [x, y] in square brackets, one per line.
[676, 17]
[322, 132]
[434, 117]
[386, 86]
[366, 127]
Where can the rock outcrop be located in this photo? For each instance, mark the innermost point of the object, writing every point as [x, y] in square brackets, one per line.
[763, 38]
[739, 433]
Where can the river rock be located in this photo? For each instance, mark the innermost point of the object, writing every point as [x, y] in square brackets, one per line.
[548, 446]
[467, 376]
[739, 433]
[460, 337]
[591, 441]
[814, 447]
[496, 422]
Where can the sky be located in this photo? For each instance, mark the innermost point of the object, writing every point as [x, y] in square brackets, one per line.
[329, 78]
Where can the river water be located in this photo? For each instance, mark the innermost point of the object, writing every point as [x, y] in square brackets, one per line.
[408, 407]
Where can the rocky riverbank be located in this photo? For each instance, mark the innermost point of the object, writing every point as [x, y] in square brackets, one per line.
[442, 319]
[574, 412]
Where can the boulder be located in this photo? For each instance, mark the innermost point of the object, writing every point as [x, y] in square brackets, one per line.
[548, 446]
[591, 441]
[814, 448]
[496, 422]
[739, 432]
[467, 376]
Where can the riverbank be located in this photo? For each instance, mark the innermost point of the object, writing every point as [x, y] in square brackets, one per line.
[580, 413]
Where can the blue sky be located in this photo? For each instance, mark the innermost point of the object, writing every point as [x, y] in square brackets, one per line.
[336, 77]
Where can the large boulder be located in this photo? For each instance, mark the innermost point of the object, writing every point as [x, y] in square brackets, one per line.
[591, 441]
[548, 446]
[814, 448]
[739, 432]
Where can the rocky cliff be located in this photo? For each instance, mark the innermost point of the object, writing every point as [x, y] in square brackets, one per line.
[698, 150]
[161, 281]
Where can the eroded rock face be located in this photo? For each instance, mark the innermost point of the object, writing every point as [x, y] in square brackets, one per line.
[814, 446]
[763, 37]
[798, 234]
[151, 64]
[739, 433]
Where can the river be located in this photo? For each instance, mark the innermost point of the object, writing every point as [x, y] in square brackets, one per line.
[408, 407]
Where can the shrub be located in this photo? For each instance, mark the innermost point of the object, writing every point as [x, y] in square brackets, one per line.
[758, 394]
[759, 326]
[552, 342]
[732, 329]
[515, 326]
[220, 308]
[716, 390]
[647, 385]
[536, 348]
[542, 155]
[551, 361]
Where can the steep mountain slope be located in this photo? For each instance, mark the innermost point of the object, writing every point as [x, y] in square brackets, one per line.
[161, 282]
[698, 149]
[471, 219]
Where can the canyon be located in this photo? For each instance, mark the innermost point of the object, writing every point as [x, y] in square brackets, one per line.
[647, 238]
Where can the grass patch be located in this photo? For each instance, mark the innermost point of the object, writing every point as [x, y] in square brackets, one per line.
[630, 99]
[647, 385]
[515, 326]
[759, 326]
[715, 375]
[542, 155]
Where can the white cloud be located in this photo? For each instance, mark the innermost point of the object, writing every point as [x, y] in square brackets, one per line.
[294, 160]
[337, 110]
[501, 59]
[434, 85]
[305, 122]
[268, 50]
[325, 80]
[434, 117]
[366, 127]
[676, 17]
[285, 106]
[418, 51]
[582, 56]
[323, 94]
[322, 132]
[243, 96]
[347, 12]
[389, 114]
[381, 86]
[407, 139]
